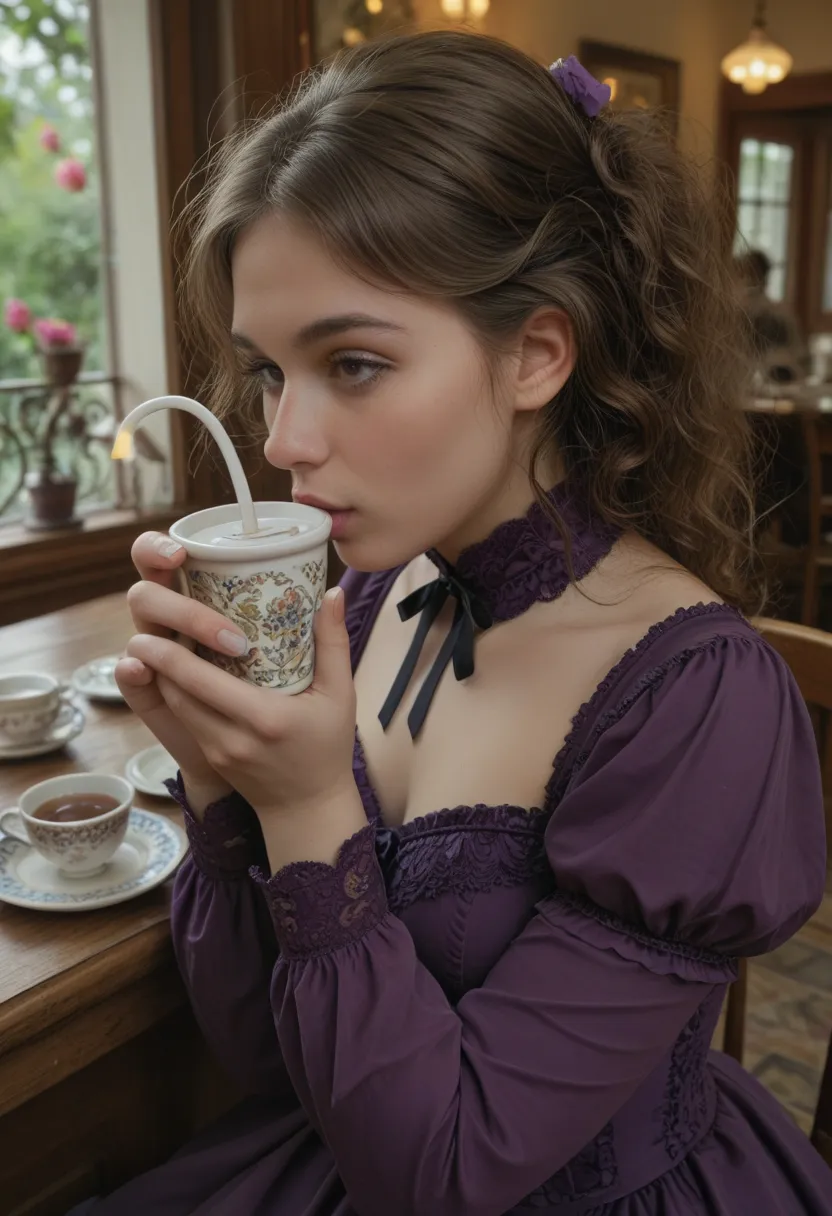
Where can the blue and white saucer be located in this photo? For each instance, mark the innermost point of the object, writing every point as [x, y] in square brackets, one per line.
[96, 679]
[152, 849]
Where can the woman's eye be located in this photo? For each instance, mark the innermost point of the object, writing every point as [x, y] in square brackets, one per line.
[354, 371]
[269, 375]
[357, 371]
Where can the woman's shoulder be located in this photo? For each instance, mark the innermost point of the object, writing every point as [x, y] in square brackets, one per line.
[694, 804]
[685, 654]
[666, 615]
[640, 611]
[641, 584]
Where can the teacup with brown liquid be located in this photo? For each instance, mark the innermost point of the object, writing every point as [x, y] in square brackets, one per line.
[76, 821]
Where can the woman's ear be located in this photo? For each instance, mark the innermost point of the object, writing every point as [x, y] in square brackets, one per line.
[546, 358]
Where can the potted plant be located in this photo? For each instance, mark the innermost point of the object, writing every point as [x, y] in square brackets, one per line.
[51, 490]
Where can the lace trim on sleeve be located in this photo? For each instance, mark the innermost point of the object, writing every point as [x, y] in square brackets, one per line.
[227, 841]
[316, 907]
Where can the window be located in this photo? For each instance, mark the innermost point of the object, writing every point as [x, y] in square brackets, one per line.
[764, 204]
[781, 160]
[51, 253]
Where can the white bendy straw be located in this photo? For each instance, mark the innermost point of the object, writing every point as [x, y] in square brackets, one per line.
[123, 447]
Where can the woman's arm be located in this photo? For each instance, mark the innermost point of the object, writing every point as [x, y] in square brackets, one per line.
[225, 944]
[222, 932]
[694, 833]
[435, 1110]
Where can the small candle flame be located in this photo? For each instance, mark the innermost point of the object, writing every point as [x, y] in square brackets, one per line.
[123, 447]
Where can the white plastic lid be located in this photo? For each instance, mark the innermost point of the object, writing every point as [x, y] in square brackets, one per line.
[216, 534]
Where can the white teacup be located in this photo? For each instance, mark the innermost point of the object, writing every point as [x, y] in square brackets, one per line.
[81, 847]
[269, 586]
[30, 701]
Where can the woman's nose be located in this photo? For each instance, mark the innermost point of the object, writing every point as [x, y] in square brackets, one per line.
[295, 436]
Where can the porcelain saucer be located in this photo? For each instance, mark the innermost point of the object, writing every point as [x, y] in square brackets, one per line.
[66, 727]
[96, 680]
[148, 769]
[152, 849]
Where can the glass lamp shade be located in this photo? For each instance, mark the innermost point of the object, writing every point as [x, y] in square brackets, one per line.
[757, 63]
[461, 10]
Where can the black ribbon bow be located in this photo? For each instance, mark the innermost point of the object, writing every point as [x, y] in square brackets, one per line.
[470, 611]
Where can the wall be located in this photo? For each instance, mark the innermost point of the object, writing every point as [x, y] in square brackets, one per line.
[804, 27]
[697, 32]
[677, 29]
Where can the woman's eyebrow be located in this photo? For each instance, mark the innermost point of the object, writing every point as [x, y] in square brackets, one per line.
[326, 327]
[241, 342]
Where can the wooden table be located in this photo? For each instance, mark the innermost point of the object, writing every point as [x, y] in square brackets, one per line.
[102, 1070]
[812, 400]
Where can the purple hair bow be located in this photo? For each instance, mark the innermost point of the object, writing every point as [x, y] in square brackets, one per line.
[581, 85]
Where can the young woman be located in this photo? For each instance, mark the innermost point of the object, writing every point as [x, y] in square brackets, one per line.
[467, 958]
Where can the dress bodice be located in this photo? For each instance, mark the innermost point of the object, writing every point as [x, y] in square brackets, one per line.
[466, 880]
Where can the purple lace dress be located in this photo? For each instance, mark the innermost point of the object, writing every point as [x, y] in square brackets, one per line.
[497, 1010]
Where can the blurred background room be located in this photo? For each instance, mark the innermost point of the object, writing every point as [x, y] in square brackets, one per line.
[108, 109]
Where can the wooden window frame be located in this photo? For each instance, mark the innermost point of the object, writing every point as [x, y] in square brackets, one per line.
[747, 115]
[200, 49]
[768, 129]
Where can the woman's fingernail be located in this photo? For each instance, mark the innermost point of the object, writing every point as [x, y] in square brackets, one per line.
[166, 547]
[336, 597]
[133, 667]
[234, 643]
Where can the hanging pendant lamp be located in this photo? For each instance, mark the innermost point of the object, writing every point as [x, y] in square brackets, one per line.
[757, 62]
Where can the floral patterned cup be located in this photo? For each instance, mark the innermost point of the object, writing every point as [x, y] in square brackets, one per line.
[270, 586]
[30, 701]
[80, 848]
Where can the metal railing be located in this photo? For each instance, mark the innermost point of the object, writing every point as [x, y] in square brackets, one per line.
[81, 443]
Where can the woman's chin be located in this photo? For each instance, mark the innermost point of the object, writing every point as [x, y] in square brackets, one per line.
[369, 558]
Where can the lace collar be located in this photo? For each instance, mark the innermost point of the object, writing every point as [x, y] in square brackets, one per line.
[524, 560]
[497, 579]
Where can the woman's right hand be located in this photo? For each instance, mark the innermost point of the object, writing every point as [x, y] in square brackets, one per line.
[157, 608]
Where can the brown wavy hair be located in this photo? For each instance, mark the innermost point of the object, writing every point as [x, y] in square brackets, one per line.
[454, 166]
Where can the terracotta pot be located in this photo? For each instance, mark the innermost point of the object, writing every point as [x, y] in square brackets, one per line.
[62, 364]
[51, 501]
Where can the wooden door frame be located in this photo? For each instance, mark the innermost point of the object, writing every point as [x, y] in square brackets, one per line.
[805, 91]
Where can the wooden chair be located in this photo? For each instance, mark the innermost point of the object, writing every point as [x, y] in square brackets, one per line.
[808, 652]
[817, 440]
[822, 1129]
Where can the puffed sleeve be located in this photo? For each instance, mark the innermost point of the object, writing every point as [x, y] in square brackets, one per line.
[224, 941]
[222, 932]
[692, 832]
[709, 785]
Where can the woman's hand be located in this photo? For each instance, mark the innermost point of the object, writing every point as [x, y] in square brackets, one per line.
[289, 756]
[158, 610]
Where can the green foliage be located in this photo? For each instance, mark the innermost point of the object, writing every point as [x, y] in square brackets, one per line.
[50, 239]
[57, 27]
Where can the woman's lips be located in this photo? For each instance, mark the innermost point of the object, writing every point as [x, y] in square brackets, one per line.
[340, 522]
[340, 516]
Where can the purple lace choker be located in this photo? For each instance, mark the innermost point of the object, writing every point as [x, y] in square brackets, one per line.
[496, 579]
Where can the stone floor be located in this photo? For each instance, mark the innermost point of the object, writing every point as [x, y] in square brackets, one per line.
[789, 1015]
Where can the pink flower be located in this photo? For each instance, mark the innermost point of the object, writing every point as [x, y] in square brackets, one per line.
[18, 316]
[51, 332]
[50, 140]
[70, 175]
